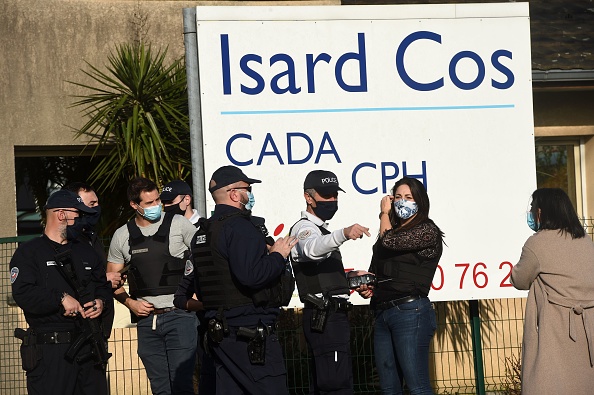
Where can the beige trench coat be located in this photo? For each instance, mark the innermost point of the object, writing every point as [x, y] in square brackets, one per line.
[558, 345]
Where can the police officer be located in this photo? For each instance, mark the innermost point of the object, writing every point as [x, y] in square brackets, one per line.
[323, 286]
[88, 235]
[238, 279]
[155, 248]
[51, 309]
[177, 199]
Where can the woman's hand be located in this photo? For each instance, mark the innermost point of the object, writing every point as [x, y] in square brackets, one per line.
[386, 204]
[365, 294]
[365, 290]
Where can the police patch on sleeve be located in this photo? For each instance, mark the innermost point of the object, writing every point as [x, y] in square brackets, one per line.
[14, 273]
[304, 235]
[189, 268]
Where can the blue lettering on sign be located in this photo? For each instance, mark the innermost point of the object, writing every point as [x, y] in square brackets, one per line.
[290, 159]
[251, 65]
[431, 86]
[479, 63]
[270, 149]
[269, 141]
[502, 69]
[473, 56]
[389, 172]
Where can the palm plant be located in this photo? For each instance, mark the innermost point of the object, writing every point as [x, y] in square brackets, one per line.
[138, 111]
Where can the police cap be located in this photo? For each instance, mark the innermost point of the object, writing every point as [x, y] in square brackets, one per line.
[66, 199]
[323, 182]
[173, 189]
[228, 175]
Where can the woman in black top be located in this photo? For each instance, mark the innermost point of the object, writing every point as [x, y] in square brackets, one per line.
[404, 260]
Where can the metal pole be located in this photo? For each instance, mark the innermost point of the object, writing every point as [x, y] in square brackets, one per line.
[192, 73]
[477, 349]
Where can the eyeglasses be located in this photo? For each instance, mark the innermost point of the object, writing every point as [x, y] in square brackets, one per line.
[249, 189]
[70, 211]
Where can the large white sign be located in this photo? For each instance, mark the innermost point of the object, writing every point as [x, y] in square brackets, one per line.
[374, 93]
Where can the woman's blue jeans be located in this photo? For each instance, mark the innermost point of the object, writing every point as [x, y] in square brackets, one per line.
[402, 338]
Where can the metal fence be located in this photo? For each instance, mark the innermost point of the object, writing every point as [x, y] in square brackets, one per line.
[452, 360]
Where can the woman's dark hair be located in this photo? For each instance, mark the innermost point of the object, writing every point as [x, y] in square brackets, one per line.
[419, 193]
[556, 212]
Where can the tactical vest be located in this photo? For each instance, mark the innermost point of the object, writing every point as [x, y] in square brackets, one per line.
[153, 271]
[407, 272]
[217, 286]
[326, 277]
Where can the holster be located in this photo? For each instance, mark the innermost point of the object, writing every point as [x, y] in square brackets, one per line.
[256, 347]
[318, 319]
[31, 352]
[217, 328]
[216, 333]
[320, 312]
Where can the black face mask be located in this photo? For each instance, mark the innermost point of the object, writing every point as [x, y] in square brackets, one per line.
[75, 230]
[91, 220]
[325, 210]
[175, 209]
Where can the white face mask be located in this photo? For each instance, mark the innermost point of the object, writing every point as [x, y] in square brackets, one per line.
[405, 209]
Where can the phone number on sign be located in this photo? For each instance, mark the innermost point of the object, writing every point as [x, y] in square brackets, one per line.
[475, 274]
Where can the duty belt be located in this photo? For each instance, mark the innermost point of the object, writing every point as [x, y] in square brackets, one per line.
[336, 304]
[269, 329]
[57, 337]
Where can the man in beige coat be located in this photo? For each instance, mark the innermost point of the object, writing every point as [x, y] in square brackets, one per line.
[557, 265]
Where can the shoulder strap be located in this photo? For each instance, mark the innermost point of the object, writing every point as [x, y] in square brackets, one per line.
[136, 236]
[321, 228]
[162, 234]
[233, 214]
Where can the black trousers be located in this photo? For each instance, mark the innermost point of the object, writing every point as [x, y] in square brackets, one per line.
[55, 376]
[331, 366]
[207, 384]
[235, 375]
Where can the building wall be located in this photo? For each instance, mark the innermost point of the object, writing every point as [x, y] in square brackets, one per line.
[46, 43]
[564, 113]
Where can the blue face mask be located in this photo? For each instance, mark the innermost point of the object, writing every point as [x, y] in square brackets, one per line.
[251, 201]
[532, 224]
[405, 208]
[152, 213]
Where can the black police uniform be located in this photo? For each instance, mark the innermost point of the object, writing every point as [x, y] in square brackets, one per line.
[37, 287]
[331, 365]
[207, 383]
[107, 317]
[238, 283]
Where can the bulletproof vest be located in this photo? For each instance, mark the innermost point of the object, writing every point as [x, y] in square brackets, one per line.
[326, 277]
[407, 272]
[218, 287]
[153, 271]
